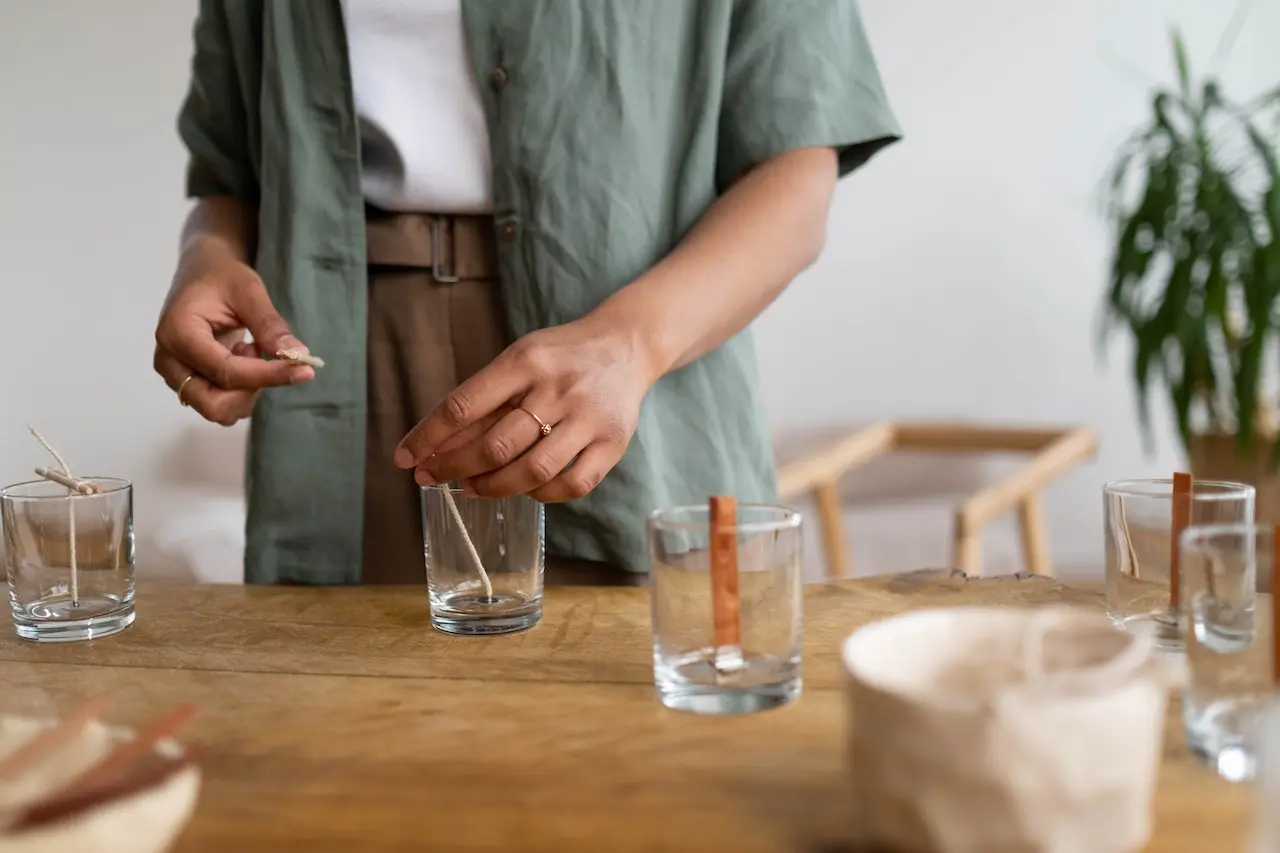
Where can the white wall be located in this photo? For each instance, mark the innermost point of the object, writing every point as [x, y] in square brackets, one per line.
[90, 205]
[966, 264]
[963, 270]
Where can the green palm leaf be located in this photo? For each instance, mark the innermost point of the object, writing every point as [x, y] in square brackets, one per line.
[1194, 200]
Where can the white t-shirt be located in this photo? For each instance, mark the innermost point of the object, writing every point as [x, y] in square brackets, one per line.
[424, 141]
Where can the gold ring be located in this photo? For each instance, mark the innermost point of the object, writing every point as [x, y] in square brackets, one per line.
[542, 425]
[182, 387]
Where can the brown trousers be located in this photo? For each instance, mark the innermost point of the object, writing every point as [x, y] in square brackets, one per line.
[427, 333]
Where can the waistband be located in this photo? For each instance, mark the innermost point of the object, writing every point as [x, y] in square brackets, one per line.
[453, 247]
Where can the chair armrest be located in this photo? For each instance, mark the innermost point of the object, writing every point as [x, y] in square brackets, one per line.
[826, 465]
[1052, 452]
[1003, 496]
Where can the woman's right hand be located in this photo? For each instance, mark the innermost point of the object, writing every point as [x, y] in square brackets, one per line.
[214, 299]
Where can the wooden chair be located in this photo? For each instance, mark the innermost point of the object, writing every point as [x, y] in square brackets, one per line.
[1052, 452]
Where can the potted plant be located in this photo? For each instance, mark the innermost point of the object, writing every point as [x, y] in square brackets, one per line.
[1194, 199]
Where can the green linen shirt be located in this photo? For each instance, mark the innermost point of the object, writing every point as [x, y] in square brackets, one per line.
[613, 125]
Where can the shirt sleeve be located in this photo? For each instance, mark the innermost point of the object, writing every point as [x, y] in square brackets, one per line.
[800, 74]
[212, 122]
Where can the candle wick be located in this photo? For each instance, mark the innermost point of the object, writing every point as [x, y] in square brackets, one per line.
[71, 513]
[466, 537]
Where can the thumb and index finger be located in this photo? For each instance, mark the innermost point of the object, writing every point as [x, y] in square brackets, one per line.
[194, 342]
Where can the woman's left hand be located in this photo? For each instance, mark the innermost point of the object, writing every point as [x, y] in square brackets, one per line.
[583, 380]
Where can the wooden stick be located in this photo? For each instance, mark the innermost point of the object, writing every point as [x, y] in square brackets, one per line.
[71, 515]
[297, 356]
[78, 486]
[725, 600]
[1275, 605]
[66, 804]
[1181, 518]
[125, 754]
[31, 752]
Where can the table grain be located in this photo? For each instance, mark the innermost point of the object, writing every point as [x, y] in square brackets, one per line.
[336, 719]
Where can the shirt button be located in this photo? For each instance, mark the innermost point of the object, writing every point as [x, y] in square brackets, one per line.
[508, 230]
[498, 78]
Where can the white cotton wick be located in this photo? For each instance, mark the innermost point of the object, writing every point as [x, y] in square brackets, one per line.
[466, 537]
[71, 510]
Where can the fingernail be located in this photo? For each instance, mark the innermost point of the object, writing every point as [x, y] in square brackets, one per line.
[422, 478]
[304, 374]
[468, 491]
[403, 458]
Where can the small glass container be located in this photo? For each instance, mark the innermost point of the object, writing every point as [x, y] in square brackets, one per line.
[1228, 602]
[692, 671]
[484, 561]
[1138, 520]
[69, 558]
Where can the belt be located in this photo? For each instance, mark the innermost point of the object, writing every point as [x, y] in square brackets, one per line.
[453, 247]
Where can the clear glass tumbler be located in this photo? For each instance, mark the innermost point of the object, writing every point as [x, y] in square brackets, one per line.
[69, 559]
[1140, 548]
[484, 561]
[691, 671]
[1227, 597]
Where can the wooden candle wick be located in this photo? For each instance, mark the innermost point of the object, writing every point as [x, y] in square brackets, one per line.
[725, 596]
[1275, 605]
[35, 749]
[466, 537]
[130, 751]
[1181, 519]
[113, 776]
[297, 356]
[67, 805]
[72, 490]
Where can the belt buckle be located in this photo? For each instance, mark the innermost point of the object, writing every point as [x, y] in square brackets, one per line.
[437, 271]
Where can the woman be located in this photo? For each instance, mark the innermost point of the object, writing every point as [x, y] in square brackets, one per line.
[615, 189]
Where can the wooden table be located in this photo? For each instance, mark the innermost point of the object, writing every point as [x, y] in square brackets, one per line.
[336, 719]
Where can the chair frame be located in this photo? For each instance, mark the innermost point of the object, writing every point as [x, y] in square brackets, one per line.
[1052, 452]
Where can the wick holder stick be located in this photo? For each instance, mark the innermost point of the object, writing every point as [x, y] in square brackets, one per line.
[297, 356]
[75, 487]
[1181, 518]
[725, 596]
[80, 487]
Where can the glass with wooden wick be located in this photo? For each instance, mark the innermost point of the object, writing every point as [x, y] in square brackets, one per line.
[484, 560]
[1227, 577]
[69, 558]
[1139, 521]
[693, 669]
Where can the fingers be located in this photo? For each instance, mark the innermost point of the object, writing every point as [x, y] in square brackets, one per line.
[583, 475]
[542, 464]
[478, 428]
[198, 328]
[252, 304]
[226, 408]
[214, 404]
[481, 395]
[190, 340]
[501, 444]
